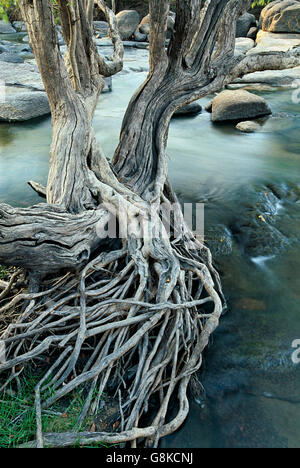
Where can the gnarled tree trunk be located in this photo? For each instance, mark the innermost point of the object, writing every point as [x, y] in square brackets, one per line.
[145, 309]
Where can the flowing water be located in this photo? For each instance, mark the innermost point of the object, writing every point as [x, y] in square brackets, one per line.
[250, 185]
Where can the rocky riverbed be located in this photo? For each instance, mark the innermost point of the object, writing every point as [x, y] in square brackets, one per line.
[250, 186]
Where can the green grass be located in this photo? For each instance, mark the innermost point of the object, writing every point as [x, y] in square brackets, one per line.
[3, 273]
[17, 415]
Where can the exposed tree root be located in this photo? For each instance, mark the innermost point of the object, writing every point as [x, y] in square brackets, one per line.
[142, 315]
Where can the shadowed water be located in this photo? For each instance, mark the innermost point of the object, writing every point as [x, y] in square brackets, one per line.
[250, 185]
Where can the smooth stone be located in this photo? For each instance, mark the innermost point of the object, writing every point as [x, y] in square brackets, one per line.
[243, 45]
[128, 21]
[139, 37]
[190, 109]
[244, 23]
[238, 105]
[267, 42]
[22, 74]
[11, 58]
[281, 17]
[248, 126]
[279, 78]
[144, 26]
[24, 106]
[252, 33]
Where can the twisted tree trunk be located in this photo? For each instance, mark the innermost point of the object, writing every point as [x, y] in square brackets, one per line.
[145, 309]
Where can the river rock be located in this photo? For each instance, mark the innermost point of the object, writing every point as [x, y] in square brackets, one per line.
[128, 21]
[190, 109]
[281, 17]
[248, 126]
[252, 33]
[238, 105]
[11, 58]
[22, 74]
[244, 23]
[274, 78]
[219, 240]
[139, 37]
[256, 230]
[6, 28]
[24, 106]
[243, 45]
[270, 42]
[144, 26]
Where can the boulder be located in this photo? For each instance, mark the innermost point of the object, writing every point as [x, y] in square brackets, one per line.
[190, 109]
[139, 37]
[6, 28]
[128, 21]
[244, 23]
[238, 105]
[144, 26]
[252, 33]
[22, 74]
[243, 45]
[281, 17]
[24, 106]
[270, 42]
[10, 57]
[219, 239]
[280, 78]
[248, 126]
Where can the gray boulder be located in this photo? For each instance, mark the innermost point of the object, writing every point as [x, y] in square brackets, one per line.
[6, 28]
[11, 58]
[238, 105]
[252, 33]
[190, 109]
[23, 74]
[244, 23]
[281, 17]
[24, 106]
[128, 21]
[139, 37]
[279, 78]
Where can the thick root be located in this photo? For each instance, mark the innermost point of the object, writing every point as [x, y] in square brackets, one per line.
[143, 316]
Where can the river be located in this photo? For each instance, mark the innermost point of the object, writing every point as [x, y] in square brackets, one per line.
[250, 185]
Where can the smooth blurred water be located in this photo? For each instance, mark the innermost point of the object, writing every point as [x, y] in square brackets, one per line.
[252, 386]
